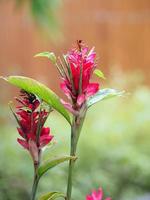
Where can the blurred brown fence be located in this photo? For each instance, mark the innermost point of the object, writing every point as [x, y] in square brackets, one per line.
[119, 29]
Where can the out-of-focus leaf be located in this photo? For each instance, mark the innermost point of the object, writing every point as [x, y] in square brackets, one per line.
[19, 3]
[52, 163]
[44, 13]
[49, 55]
[42, 91]
[104, 94]
[99, 73]
[52, 196]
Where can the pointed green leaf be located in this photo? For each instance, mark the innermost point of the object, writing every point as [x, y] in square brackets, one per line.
[52, 163]
[52, 196]
[49, 55]
[104, 94]
[42, 91]
[99, 73]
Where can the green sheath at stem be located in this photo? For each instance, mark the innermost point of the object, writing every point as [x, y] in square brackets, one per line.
[75, 133]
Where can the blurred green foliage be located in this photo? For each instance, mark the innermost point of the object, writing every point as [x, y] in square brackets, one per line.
[45, 14]
[113, 152]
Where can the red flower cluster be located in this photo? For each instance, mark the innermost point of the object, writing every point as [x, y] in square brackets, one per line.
[31, 121]
[76, 84]
[96, 195]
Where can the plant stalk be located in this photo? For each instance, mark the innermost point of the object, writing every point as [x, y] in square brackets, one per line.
[75, 133]
[34, 187]
[36, 177]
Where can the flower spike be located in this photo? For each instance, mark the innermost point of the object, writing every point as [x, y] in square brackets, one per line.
[80, 64]
[31, 118]
[96, 195]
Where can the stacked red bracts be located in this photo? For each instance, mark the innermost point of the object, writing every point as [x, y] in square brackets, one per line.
[96, 195]
[79, 66]
[31, 119]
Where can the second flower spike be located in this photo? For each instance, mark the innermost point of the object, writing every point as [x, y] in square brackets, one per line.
[31, 118]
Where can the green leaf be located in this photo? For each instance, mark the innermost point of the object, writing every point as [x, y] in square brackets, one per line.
[49, 55]
[42, 91]
[52, 196]
[52, 163]
[99, 73]
[104, 94]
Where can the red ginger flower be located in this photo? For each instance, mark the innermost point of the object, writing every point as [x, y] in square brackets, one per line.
[76, 83]
[31, 124]
[96, 195]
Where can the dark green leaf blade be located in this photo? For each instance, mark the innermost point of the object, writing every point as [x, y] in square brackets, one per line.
[52, 163]
[42, 91]
[104, 94]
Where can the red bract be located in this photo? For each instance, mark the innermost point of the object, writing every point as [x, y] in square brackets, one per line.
[96, 195]
[80, 63]
[31, 121]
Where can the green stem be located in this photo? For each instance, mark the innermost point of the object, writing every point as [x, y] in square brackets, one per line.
[34, 187]
[36, 177]
[75, 133]
[71, 162]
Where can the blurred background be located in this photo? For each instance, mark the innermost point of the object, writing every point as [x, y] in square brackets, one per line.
[114, 148]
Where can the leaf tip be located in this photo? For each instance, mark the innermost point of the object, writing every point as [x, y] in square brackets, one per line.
[99, 73]
[4, 78]
[49, 55]
[37, 55]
